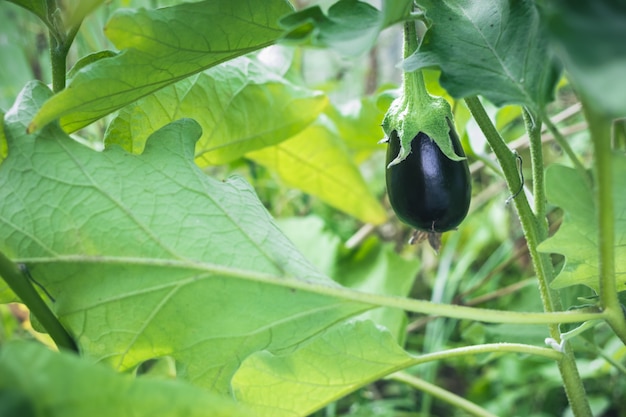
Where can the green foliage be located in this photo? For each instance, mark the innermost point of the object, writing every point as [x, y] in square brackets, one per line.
[34, 381]
[351, 26]
[188, 294]
[577, 239]
[330, 367]
[315, 161]
[219, 268]
[235, 104]
[38, 7]
[160, 47]
[589, 39]
[496, 48]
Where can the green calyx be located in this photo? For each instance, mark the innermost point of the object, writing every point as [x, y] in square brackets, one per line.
[417, 111]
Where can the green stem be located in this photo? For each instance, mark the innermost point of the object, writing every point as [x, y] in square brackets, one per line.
[413, 84]
[488, 348]
[564, 144]
[368, 300]
[467, 351]
[600, 128]
[58, 63]
[23, 288]
[533, 127]
[534, 234]
[444, 395]
[60, 43]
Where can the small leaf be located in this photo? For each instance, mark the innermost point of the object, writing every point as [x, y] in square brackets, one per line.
[78, 10]
[589, 38]
[160, 47]
[351, 27]
[89, 59]
[315, 162]
[241, 106]
[577, 239]
[497, 49]
[63, 385]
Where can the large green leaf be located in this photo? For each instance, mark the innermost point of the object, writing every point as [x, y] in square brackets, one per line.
[577, 239]
[342, 360]
[146, 256]
[589, 38]
[351, 27]
[35, 381]
[241, 106]
[495, 48]
[315, 162]
[160, 47]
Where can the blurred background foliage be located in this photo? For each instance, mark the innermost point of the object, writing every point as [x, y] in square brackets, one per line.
[484, 263]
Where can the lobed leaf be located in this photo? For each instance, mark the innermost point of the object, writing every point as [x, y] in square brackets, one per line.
[495, 48]
[315, 162]
[146, 256]
[577, 239]
[160, 47]
[241, 106]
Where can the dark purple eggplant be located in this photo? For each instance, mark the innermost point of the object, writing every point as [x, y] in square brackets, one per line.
[428, 190]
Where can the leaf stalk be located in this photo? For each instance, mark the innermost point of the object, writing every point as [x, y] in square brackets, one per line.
[23, 288]
[600, 128]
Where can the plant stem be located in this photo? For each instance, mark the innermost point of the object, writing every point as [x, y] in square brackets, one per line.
[23, 288]
[368, 300]
[600, 128]
[60, 43]
[58, 63]
[560, 139]
[488, 348]
[444, 395]
[527, 218]
[535, 230]
[413, 81]
[533, 128]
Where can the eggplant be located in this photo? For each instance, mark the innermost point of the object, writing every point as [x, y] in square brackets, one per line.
[428, 191]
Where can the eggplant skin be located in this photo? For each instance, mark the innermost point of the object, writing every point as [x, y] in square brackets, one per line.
[428, 190]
